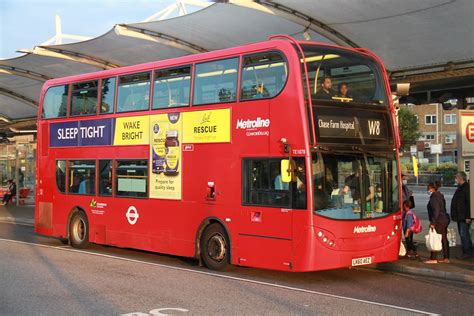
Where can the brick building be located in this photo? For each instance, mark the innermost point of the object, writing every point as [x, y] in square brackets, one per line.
[437, 126]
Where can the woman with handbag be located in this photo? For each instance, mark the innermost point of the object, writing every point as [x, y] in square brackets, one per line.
[439, 220]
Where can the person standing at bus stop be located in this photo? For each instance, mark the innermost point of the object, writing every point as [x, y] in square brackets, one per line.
[461, 213]
[439, 220]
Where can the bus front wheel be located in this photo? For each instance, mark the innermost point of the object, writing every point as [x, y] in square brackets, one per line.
[215, 248]
[79, 230]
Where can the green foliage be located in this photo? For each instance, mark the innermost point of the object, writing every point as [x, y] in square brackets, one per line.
[408, 128]
[447, 170]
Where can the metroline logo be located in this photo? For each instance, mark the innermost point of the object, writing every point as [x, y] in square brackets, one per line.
[249, 124]
[364, 229]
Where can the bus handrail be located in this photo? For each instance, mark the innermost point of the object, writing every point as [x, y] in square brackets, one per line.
[291, 39]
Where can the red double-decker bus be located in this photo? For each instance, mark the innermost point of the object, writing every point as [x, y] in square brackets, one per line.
[279, 155]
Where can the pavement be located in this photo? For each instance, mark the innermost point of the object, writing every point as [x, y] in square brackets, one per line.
[457, 270]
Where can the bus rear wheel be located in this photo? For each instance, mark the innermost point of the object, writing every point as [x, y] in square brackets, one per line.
[79, 230]
[215, 247]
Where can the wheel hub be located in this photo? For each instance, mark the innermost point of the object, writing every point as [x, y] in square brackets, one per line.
[216, 247]
[79, 230]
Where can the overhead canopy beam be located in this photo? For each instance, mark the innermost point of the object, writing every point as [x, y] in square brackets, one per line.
[19, 97]
[449, 70]
[309, 23]
[157, 37]
[23, 73]
[70, 55]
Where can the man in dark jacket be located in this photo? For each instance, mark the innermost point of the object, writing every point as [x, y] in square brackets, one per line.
[461, 213]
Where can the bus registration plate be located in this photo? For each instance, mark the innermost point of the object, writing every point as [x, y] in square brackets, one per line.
[361, 261]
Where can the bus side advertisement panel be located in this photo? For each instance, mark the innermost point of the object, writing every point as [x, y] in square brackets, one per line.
[166, 132]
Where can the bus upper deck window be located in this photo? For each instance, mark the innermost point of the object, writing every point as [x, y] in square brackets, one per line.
[263, 76]
[216, 82]
[55, 102]
[133, 92]
[84, 98]
[107, 95]
[172, 87]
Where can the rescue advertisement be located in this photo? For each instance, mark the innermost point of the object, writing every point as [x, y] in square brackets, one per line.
[165, 156]
[132, 130]
[207, 126]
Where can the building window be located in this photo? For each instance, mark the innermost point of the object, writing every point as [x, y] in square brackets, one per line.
[430, 119]
[427, 137]
[450, 138]
[450, 119]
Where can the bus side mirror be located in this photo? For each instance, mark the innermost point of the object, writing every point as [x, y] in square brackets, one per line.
[403, 89]
[285, 171]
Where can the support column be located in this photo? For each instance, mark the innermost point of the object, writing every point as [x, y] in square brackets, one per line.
[17, 173]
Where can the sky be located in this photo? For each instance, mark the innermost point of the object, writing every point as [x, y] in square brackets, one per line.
[27, 23]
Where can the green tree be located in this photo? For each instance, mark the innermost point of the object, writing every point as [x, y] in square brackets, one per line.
[408, 128]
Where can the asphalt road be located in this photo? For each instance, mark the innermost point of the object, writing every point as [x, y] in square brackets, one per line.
[40, 275]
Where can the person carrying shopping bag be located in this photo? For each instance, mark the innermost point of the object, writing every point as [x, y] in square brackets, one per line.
[439, 220]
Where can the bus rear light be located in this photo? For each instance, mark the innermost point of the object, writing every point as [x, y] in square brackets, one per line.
[393, 233]
[396, 227]
[320, 234]
[388, 237]
[325, 239]
[331, 243]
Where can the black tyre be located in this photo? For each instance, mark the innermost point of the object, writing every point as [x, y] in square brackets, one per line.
[79, 230]
[215, 247]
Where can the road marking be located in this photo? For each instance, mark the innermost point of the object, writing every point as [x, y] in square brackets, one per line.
[290, 288]
[7, 221]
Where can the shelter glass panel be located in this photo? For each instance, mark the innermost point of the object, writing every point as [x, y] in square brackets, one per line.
[263, 76]
[133, 92]
[216, 82]
[84, 98]
[172, 87]
[55, 102]
[107, 99]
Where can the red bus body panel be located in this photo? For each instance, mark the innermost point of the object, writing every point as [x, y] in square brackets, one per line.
[284, 239]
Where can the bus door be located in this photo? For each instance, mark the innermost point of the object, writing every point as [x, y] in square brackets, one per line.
[265, 234]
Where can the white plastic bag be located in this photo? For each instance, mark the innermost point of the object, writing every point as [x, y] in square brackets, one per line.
[403, 251]
[433, 241]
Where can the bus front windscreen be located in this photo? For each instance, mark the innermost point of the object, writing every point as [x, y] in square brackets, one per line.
[354, 186]
[338, 75]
